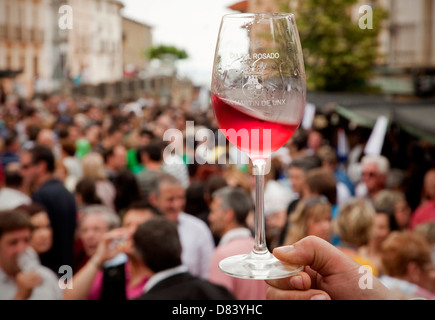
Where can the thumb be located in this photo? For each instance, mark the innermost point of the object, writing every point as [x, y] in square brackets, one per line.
[317, 253]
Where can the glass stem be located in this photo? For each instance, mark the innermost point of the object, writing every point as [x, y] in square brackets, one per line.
[260, 246]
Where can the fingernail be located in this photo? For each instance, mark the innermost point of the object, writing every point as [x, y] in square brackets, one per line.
[296, 282]
[318, 297]
[284, 249]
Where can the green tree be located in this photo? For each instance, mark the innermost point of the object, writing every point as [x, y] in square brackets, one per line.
[338, 54]
[158, 52]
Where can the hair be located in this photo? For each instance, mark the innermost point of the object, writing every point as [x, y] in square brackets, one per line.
[306, 163]
[10, 138]
[328, 154]
[144, 205]
[213, 183]
[160, 179]
[354, 222]
[195, 201]
[110, 216]
[87, 189]
[322, 181]
[40, 153]
[154, 150]
[31, 209]
[13, 178]
[237, 200]
[311, 208]
[382, 162]
[427, 230]
[93, 166]
[69, 147]
[401, 248]
[127, 189]
[157, 243]
[300, 139]
[241, 179]
[386, 200]
[14, 220]
[110, 152]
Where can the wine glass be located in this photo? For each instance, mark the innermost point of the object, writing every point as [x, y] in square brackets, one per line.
[258, 94]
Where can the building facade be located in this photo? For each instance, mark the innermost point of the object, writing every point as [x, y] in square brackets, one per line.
[22, 28]
[136, 37]
[52, 42]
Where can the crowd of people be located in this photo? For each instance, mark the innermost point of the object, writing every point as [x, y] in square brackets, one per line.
[89, 186]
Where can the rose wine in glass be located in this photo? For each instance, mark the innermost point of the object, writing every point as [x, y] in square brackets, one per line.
[258, 96]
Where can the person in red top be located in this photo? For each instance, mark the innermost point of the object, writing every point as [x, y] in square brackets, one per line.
[426, 211]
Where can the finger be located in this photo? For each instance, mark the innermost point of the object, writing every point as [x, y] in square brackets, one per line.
[300, 281]
[317, 253]
[312, 294]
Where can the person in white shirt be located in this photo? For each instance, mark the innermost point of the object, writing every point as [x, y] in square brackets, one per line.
[168, 195]
[22, 277]
[11, 195]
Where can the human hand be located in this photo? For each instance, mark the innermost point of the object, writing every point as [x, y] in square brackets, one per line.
[328, 274]
[112, 243]
[26, 281]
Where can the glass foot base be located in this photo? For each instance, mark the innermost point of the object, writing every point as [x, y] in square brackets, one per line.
[257, 266]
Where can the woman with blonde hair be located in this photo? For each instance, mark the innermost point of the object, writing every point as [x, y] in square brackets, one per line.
[311, 217]
[93, 168]
[354, 226]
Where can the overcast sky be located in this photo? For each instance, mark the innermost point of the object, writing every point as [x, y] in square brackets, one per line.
[191, 25]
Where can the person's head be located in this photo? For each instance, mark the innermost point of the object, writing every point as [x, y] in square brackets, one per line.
[93, 166]
[93, 134]
[213, 183]
[37, 163]
[127, 189]
[46, 137]
[168, 195]
[228, 210]
[42, 235]
[429, 184]
[195, 200]
[11, 141]
[298, 143]
[116, 158]
[329, 157]
[395, 204]
[299, 168]
[157, 243]
[407, 255]
[315, 140]
[15, 233]
[138, 213]
[86, 192]
[354, 224]
[94, 222]
[145, 136]
[311, 217]
[321, 181]
[13, 177]
[381, 227]
[114, 135]
[152, 152]
[374, 172]
[237, 179]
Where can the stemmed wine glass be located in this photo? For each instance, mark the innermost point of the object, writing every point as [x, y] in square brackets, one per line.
[258, 95]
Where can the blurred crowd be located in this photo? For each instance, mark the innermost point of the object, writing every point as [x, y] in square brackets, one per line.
[85, 186]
